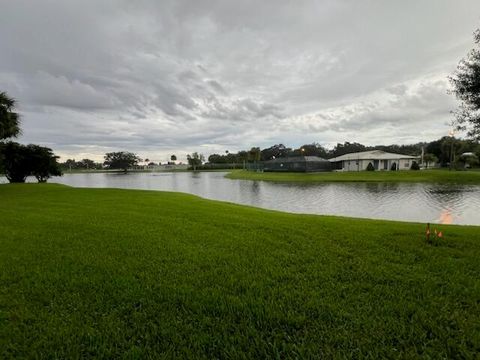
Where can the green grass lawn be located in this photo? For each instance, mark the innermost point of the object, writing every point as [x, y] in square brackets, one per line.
[110, 273]
[433, 176]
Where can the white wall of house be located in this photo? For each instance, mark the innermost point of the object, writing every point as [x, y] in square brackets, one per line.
[382, 165]
[381, 161]
[405, 164]
[352, 165]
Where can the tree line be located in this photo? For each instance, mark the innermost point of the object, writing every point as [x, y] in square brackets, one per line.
[120, 160]
[443, 151]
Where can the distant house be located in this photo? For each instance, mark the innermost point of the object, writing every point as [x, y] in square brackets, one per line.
[297, 164]
[379, 159]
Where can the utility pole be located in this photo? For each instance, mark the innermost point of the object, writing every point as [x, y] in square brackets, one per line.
[451, 133]
[452, 155]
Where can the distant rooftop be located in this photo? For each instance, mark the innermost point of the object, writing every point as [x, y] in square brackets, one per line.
[372, 155]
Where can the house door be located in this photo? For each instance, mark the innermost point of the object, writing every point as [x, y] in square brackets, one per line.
[385, 164]
[375, 164]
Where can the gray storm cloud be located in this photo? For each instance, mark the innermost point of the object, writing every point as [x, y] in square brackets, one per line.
[162, 77]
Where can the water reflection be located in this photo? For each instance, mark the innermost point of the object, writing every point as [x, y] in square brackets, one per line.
[380, 187]
[445, 217]
[456, 204]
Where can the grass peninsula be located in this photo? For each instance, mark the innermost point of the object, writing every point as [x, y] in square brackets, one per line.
[431, 176]
[108, 273]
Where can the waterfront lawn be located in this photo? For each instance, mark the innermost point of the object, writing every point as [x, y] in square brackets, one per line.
[432, 176]
[108, 273]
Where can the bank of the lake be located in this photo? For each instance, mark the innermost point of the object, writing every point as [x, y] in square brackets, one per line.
[429, 176]
[111, 273]
[397, 201]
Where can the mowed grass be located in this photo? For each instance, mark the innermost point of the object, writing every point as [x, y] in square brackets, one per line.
[103, 273]
[432, 176]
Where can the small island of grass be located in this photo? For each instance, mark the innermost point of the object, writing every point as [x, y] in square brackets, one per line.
[430, 176]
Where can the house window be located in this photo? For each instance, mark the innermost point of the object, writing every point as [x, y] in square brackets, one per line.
[407, 164]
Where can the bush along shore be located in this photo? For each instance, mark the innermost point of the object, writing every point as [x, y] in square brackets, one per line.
[108, 273]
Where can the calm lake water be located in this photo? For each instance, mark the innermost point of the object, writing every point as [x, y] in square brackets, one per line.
[456, 204]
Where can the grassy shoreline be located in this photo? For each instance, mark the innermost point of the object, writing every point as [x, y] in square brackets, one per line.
[429, 176]
[111, 273]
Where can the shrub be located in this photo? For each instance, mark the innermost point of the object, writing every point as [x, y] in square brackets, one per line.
[20, 161]
[42, 163]
[414, 166]
[15, 162]
[370, 167]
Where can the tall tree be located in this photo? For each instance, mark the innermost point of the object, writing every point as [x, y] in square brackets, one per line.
[314, 149]
[254, 154]
[275, 151]
[121, 160]
[466, 87]
[9, 119]
[217, 159]
[242, 156]
[88, 164]
[43, 163]
[22, 161]
[195, 160]
[347, 147]
[16, 162]
[429, 158]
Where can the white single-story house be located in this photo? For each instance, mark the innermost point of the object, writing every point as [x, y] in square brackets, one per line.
[380, 160]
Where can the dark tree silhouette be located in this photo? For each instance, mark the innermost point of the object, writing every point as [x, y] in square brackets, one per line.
[15, 162]
[9, 119]
[121, 160]
[346, 148]
[195, 160]
[466, 87]
[273, 152]
[43, 163]
[21, 161]
[314, 149]
[254, 154]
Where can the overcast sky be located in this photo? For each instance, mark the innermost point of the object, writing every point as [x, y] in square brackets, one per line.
[171, 77]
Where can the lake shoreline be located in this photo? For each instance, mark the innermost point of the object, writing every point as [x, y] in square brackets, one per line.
[396, 201]
[295, 213]
[439, 176]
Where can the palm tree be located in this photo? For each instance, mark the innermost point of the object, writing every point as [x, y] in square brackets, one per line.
[9, 120]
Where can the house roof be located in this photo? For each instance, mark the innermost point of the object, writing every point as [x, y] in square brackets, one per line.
[372, 155]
